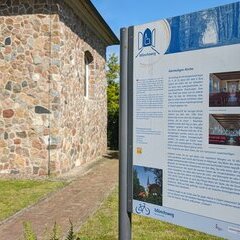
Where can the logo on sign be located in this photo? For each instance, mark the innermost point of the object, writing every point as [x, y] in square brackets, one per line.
[152, 41]
[147, 43]
[142, 209]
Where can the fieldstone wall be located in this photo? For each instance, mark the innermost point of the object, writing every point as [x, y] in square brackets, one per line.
[46, 123]
[78, 124]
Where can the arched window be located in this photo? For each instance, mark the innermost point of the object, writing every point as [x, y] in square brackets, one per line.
[88, 59]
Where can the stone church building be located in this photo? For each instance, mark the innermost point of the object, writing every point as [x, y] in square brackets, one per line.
[53, 104]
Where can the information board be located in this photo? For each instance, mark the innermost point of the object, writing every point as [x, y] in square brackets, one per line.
[185, 76]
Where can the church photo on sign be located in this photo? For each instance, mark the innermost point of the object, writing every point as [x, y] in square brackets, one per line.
[224, 129]
[147, 184]
[225, 89]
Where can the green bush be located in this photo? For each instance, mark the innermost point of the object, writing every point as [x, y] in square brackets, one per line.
[55, 235]
[29, 234]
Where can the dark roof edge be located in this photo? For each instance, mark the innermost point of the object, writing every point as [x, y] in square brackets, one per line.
[90, 15]
[115, 38]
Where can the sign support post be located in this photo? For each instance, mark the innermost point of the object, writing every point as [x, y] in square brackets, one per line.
[124, 215]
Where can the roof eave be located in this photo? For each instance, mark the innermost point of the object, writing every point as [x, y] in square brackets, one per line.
[86, 11]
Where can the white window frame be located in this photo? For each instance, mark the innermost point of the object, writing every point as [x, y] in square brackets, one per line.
[86, 83]
[88, 59]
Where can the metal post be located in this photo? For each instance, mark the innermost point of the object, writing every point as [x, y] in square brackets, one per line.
[124, 215]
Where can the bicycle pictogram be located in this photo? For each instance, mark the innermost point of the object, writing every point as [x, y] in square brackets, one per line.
[142, 209]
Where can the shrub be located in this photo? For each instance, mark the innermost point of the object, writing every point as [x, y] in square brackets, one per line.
[29, 234]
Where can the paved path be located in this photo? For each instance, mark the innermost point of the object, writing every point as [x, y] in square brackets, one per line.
[77, 202]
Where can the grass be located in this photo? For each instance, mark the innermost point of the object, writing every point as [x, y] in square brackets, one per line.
[18, 194]
[103, 225]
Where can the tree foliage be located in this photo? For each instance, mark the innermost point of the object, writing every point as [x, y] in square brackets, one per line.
[113, 101]
[136, 184]
[113, 69]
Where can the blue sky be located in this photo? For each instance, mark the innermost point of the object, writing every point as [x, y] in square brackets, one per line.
[143, 176]
[124, 13]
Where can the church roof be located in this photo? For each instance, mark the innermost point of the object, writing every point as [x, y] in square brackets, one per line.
[90, 15]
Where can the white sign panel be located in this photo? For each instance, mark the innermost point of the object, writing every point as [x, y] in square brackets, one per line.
[186, 120]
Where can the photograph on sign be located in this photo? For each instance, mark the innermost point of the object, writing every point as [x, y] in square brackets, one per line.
[224, 129]
[147, 185]
[224, 89]
[186, 120]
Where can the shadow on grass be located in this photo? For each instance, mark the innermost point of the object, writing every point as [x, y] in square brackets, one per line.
[111, 154]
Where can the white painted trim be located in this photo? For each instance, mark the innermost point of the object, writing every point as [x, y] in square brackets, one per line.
[86, 85]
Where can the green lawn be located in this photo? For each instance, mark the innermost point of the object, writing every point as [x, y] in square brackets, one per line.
[18, 194]
[104, 226]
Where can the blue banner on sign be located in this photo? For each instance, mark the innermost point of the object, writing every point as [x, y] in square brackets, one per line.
[214, 27]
